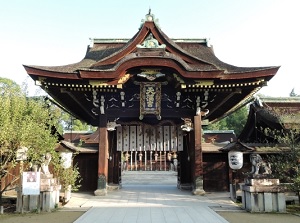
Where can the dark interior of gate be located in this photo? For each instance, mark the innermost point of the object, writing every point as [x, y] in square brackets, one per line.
[150, 112]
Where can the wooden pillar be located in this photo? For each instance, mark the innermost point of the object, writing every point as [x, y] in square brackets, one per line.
[102, 158]
[198, 162]
[185, 166]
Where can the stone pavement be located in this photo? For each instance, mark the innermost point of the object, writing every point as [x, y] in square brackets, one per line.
[151, 197]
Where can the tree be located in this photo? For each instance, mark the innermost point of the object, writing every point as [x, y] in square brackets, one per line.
[235, 121]
[286, 164]
[67, 122]
[25, 122]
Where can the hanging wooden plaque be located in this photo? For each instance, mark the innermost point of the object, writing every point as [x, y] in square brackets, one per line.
[150, 99]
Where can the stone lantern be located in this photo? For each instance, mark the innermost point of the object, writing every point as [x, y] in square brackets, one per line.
[65, 155]
[235, 159]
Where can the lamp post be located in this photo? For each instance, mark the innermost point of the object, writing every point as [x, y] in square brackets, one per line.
[235, 159]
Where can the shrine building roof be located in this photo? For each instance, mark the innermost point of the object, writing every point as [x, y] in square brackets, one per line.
[187, 65]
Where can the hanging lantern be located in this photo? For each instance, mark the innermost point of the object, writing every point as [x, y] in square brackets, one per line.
[235, 159]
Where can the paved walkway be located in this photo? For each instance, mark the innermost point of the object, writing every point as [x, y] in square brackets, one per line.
[150, 197]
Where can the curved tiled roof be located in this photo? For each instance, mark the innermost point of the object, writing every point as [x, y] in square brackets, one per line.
[207, 60]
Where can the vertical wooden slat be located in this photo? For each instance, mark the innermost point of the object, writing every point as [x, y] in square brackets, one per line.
[180, 139]
[147, 130]
[140, 144]
[173, 136]
[166, 138]
[119, 138]
[153, 139]
[126, 138]
[133, 138]
[160, 139]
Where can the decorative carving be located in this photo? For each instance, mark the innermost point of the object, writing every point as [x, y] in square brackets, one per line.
[259, 166]
[95, 99]
[178, 79]
[151, 75]
[102, 100]
[150, 42]
[150, 18]
[45, 163]
[188, 125]
[97, 83]
[123, 79]
[111, 126]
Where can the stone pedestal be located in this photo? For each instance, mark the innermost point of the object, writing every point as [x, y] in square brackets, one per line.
[233, 195]
[102, 186]
[46, 201]
[198, 188]
[263, 195]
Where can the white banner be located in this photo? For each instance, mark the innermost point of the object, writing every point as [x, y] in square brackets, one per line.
[31, 182]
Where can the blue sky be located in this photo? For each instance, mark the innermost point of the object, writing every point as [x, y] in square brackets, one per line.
[242, 32]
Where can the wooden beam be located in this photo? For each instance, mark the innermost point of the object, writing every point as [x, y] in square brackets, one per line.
[89, 113]
[237, 91]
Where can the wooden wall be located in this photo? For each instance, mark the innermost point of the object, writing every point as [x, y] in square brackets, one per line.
[216, 172]
[88, 169]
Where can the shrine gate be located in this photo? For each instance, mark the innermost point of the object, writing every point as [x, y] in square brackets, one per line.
[149, 97]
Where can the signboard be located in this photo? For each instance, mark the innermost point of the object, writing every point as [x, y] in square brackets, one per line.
[150, 99]
[31, 182]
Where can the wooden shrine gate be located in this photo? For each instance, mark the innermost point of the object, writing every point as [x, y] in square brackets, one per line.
[150, 79]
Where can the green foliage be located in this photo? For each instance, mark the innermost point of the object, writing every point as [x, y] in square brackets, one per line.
[69, 177]
[29, 122]
[286, 165]
[235, 121]
[24, 122]
[69, 123]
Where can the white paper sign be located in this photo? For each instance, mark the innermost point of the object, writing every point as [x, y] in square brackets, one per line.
[31, 183]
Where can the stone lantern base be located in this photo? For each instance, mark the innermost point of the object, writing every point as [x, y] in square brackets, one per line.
[47, 200]
[263, 195]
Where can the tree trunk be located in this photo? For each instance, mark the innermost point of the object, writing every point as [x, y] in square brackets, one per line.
[1, 207]
[1, 201]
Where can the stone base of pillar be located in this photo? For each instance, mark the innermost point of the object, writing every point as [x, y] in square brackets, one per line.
[198, 188]
[102, 186]
[112, 187]
[185, 187]
[198, 192]
[233, 189]
[100, 192]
